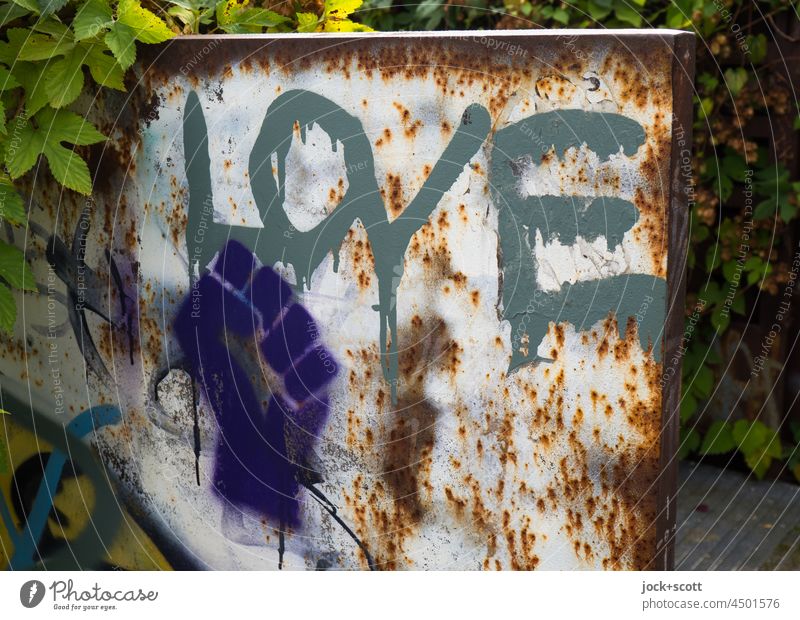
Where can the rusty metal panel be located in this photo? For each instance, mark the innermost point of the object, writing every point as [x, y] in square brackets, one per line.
[378, 301]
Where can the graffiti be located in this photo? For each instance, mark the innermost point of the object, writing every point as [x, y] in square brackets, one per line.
[370, 310]
[85, 290]
[89, 545]
[262, 457]
[559, 217]
[278, 240]
[566, 218]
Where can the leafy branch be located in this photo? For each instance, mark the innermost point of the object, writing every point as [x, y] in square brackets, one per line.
[50, 49]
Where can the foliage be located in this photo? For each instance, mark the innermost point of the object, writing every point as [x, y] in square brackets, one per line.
[52, 50]
[244, 16]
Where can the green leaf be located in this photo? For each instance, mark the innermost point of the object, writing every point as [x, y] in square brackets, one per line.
[12, 208]
[207, 16]
[53, 27]
[7, 80]
[757, 44]
[712, 293]
[713, 258]
[598, 12]
[64, 78]
[104, 68]
[14, 269]
[121, 41]
[708, 81]
[192, 5]
[730, 268]
[688, 407]
[41, 47]
[147, 26]
[31, 76]
[773, 447]
[734, 167]
[759, 463]
[341, 9]
[344, 25]
[736, 78]
[23, 148]
[700, 232]
[8, 309]
[706, 106]
[756, 269]
[703, 382]
[52, 128]
[3, 130]
[720, 321]
[10, 12]
[561, 16]
[764, 209]
[754, 263]
[628, 15]
[234, 16]
[30, 5]
[224, 10]
[677, 18]
[260, 17]
[718, 438]
[306, 22]
[92, 19]
[68, 168]
[183, 14]
[65, 126]
[750, 436]
[689, 442]
[48, 7]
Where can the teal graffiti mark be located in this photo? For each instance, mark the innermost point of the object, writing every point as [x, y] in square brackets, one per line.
[65, 441]
[528, 308]
[278, 240]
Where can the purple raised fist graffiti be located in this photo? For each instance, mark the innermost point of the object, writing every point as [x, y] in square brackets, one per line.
[263, 451]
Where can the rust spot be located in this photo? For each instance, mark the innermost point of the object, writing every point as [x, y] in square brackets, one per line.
[459, 279]
[396, 200]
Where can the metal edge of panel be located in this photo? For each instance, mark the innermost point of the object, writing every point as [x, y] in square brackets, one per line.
[317, 42]
[677, 228]
[444, 34]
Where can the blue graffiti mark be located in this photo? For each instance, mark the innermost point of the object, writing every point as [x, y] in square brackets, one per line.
[25, 542]
[261, 457]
